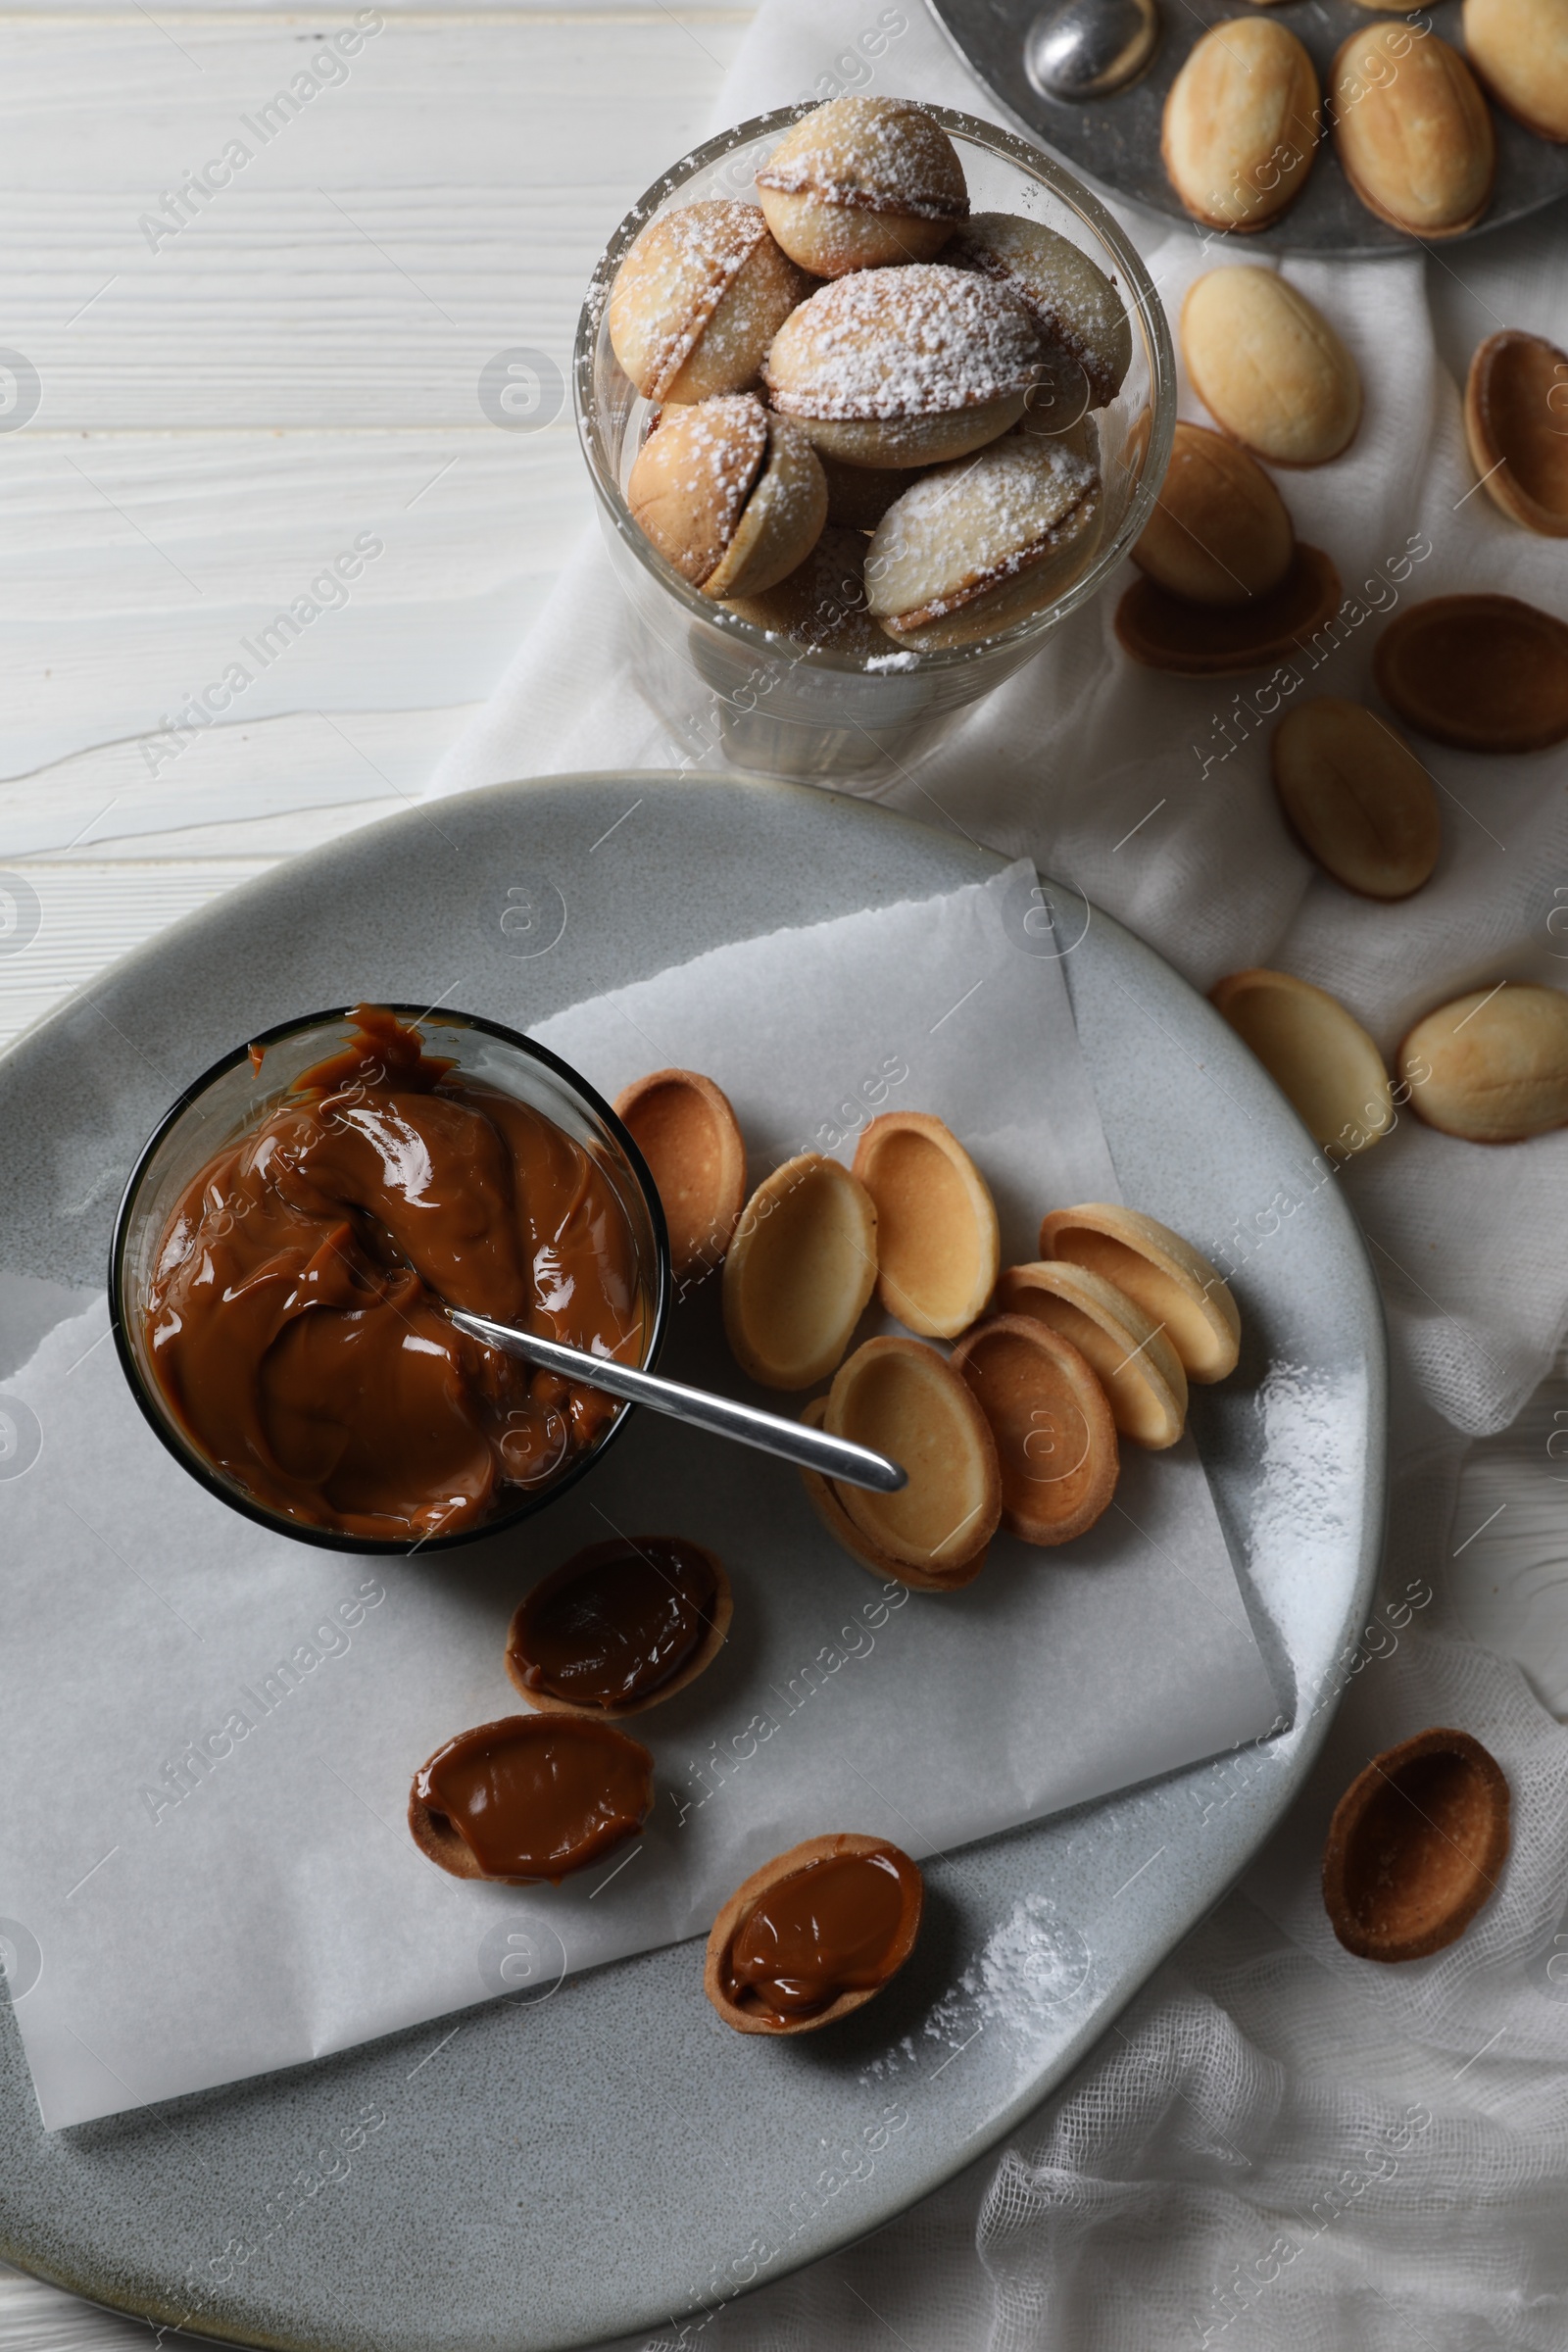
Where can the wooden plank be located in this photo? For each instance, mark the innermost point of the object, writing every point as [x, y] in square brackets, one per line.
[370, 250]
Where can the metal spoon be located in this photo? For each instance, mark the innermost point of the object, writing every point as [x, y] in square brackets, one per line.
[723, 1416]
[1088, 48]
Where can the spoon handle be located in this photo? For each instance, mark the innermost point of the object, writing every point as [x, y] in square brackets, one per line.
[723, 1416]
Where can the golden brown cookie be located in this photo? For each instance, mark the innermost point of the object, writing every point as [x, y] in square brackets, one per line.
[699, 299]
[937, 1241]
[862, 182]
[1219, 532]
[733, 498]
[903, 1399]
[1129, 1354]
[1268, 366]
[1054, 1432]
[683, 1126]
[1493, 1065]
[1077, 306]
[1318, 1054]
[904, 366]
[1173, 1283]
[827, 1502]
[1519, 48]
[1241, 123]
[801, 1267]
[1357, 796]
[1413, 134]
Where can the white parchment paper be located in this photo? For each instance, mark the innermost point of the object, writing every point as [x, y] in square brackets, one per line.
[209, 1731]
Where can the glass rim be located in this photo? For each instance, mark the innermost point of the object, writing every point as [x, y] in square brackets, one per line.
[331, 1539]
[996, 140]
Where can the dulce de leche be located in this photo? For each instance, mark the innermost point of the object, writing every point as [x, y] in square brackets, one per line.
[620, 1626]
[294, 1319]
[813, 1935]
[532, 1796]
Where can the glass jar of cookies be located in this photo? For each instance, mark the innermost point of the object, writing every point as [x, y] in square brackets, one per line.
[872, 397]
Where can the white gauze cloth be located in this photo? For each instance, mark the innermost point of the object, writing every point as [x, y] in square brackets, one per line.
[1278, 2145]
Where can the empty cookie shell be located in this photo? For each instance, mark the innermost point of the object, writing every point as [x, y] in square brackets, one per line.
[1216, 641]
[1241, 123]
[733, 498]
[1357, 796]
[1413, 129]
[903, 1399]
[1318, 1055]
[1516, 422]
[973, 547]
[1484, 673]
[1077, 306]
[1520, 50]
[1492, 1066]
[1054, 1432]
[622, 1625]
[683, 1126]
[800, 1268]
[1130, 1356]
[827, 1502]
[699, 299]
[937, 1240]
[1416, 1846]
[904, 366]
[1268, 366]
[813, 1935]
[1219, 532]
[862, 182]
[1174, 1284]
[530, 1798]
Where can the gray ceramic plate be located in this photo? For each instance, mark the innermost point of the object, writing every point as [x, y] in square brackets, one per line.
[555, 2173]
[1114, 141]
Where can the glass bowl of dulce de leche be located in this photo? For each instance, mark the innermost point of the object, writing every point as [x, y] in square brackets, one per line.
[294, 1232]
[848, 705]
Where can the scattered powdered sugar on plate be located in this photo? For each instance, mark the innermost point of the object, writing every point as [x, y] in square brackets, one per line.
[916, 340]
[1025, 1973]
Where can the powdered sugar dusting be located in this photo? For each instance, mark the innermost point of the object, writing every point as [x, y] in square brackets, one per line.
[672, 281]
[883, 155]
[914, 341]
[973, 523]
[1072, 299]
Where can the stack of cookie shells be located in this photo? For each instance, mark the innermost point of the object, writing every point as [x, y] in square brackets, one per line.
[871, 411]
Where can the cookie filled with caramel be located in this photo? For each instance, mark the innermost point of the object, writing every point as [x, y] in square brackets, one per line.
[530, 1798]
[813, 1935]
[620, 1626]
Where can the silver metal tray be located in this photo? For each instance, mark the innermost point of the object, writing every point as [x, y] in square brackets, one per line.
[1114, 141]
[540, 2175]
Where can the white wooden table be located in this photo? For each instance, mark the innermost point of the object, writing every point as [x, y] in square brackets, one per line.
[235, 385]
